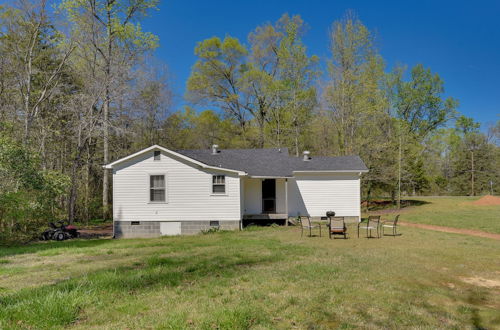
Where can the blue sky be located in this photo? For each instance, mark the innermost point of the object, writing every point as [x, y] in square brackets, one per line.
[458, 40]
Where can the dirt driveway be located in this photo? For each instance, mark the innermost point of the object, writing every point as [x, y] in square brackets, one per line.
[470, 232]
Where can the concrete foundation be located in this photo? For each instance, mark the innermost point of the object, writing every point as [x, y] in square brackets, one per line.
[146, 229]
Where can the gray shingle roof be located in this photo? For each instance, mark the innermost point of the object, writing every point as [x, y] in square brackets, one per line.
[272, 162]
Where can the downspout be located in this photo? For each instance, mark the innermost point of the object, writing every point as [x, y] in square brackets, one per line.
[242, 202]
[113, 193]
[286, 201]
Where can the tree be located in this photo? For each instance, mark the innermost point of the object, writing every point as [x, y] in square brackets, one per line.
[353, 95]
[296, 77]
[354, 112]
[109, 30]
[475, 160]
[216, 75]
[273, 81]
[37, 62]
[279, 81]
[28, 195]
[419, 107]
[151, 100]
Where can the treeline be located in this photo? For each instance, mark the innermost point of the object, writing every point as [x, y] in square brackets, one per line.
[274, 94]
[79, 87]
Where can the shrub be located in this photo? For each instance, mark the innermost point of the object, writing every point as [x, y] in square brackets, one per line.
[28, 195]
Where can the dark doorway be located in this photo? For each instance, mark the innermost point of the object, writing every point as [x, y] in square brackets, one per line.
[269, 196]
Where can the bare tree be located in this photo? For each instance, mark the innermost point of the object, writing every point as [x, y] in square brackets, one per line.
[39, 66]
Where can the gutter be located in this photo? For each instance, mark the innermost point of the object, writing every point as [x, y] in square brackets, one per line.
[269, 177]
[332, 171]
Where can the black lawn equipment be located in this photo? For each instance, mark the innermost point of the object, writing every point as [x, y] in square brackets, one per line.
[60, 231]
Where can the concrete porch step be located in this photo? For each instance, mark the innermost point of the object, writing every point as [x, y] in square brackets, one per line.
[265, 216]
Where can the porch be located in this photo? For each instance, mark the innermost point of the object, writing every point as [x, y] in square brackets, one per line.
[265, 200]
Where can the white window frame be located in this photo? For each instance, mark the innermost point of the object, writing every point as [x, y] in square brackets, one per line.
[212, 185]
[165, 177]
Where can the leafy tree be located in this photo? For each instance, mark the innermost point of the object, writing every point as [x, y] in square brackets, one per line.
[353, 94]
[297, 73]
[420, 108]
[354, 107]
[273, 82]
[28, 196]
[280, 81]
[215, 79]
[475, 161]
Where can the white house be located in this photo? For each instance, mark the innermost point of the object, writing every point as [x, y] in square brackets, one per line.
[158, 191]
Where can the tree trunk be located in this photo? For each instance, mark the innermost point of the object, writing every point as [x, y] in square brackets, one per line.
[368, 196]
[296, 140]
[107, 97]
[105, 179]
[473, 193]
[399, 172]
[261, 134]
[87, 185]
[73, 194]
[74, 185]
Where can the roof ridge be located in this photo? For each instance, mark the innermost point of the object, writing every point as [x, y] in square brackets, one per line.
[235, 149]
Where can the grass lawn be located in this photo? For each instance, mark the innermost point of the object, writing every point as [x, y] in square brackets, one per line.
[259, 278]
[457, 212]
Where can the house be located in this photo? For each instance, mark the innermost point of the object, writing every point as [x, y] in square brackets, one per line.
[158, 191]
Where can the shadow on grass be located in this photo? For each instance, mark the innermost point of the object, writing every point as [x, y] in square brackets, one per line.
[476, 299]
[61, 304]
[382, 205]
[42, 246]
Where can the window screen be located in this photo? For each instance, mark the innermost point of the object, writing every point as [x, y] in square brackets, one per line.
[157, 188]
[218, 184]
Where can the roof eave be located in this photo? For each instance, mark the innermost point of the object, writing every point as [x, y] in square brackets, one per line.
[270, 177]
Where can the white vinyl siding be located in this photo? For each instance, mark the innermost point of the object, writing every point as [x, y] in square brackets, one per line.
[188, 191]
[280, 196]
[253, 196]
[315, 194]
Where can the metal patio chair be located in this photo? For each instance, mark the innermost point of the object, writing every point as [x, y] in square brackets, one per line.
[305, 223]
[392, 224]
[337, 227]
[372, 223]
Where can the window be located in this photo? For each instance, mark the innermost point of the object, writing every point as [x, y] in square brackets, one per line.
[157, 155]
[135, 223]
[157, 188]
[219, 184]
[214, 223]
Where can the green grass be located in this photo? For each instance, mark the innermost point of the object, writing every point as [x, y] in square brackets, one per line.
[261, 278]
[457, 212]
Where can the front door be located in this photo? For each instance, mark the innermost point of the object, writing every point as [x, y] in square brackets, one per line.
[269, 196]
